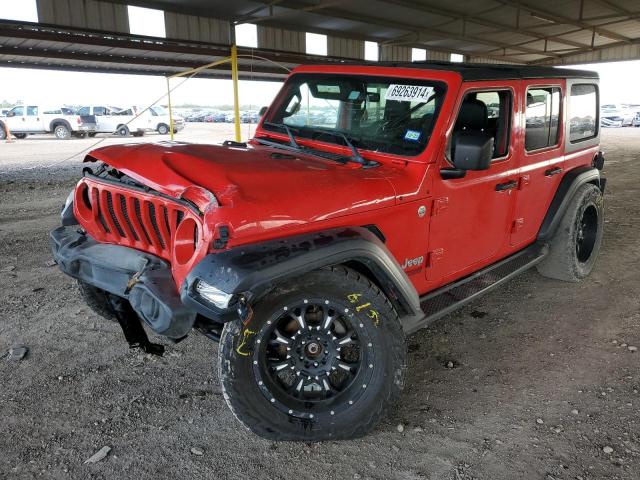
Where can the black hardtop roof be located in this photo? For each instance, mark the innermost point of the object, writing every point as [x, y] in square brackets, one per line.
[482, 71]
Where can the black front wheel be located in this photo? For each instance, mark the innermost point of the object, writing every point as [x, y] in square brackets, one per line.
[322, 357]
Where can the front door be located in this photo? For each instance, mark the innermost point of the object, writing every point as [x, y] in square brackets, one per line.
[16, 119]
[471, 216]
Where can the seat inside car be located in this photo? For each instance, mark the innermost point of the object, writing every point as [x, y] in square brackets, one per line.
[473, 119]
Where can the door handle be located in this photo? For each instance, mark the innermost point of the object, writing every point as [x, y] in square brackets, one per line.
[510, 185]
[552, 171]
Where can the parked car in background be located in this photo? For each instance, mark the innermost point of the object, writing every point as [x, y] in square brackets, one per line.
[115, 120]
[613, 115]
[23, 120]
[157, 119]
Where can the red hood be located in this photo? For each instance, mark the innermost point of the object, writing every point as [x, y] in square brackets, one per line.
[264, 190]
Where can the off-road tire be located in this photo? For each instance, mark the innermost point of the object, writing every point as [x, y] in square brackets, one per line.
[20, 136]
[122, 131]
[564, 262]
[97, 300]
[251, 405]
[62, 132]
[163, 129]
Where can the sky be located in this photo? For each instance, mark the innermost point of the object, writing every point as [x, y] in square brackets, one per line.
[618, 84]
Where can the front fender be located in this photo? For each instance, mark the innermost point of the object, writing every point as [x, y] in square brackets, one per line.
[254, 269]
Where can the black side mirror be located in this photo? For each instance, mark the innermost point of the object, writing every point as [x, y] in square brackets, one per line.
[11, 114]
[471, 151]
[262, 111]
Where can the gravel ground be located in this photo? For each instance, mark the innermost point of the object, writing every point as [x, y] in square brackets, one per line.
[544, 383]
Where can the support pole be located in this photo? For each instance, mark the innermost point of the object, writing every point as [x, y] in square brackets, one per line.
[234, 78]
[170, 109]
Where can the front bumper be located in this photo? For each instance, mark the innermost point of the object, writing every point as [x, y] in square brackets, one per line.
[143, 279]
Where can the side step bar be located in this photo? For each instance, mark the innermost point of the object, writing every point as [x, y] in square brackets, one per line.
[446, 299]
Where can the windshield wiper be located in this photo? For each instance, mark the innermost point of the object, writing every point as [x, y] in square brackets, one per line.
[292, 139]
[355, 155]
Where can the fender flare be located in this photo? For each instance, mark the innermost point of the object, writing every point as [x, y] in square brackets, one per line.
[57, 121]
[252, 270]
[568, 187]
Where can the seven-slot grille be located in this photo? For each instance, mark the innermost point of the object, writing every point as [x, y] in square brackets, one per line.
[128, 217]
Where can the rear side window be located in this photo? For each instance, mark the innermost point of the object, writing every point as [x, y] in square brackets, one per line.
[583, 105]
[543, 118]
[32, 111]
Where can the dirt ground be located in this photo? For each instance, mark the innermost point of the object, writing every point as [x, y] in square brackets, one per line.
[543, 376]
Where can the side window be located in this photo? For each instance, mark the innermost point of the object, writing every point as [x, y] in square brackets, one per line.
[84, 111]
[18, 111]
[543, 118]
[583, 105]
[486, 113]
[32, 111]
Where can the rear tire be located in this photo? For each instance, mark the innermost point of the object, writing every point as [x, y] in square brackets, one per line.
[97, 300]
[574, 247]
[20, 136]
[284, 384]
[122, 131]
[62, 132]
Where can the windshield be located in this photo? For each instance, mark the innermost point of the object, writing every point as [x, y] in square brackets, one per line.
[390, 115]
[158, 111]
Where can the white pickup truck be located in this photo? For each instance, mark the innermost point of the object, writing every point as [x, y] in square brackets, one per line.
[110, 119]
[124, 121]
[23, 120]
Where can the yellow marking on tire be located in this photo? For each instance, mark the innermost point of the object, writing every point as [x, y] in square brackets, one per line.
[245, 336]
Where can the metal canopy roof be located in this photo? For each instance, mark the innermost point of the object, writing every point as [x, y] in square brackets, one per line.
[523, 31]
[549, 32]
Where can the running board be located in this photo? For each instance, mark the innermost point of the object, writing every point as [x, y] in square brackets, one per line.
[446, 299]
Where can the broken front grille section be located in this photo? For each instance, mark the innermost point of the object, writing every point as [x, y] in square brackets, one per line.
[131, 218]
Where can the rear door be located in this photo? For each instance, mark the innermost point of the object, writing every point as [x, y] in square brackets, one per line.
[471, 216]
[32, 119]
[540, 156]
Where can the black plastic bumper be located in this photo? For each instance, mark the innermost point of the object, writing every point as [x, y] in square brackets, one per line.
[152, 294]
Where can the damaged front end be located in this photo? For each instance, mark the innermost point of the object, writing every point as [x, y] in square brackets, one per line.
[138, 246]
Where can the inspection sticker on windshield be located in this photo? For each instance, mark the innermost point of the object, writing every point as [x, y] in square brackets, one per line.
[408, 93]
[412, 135]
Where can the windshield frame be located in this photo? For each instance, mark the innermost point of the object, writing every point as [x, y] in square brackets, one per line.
[364, 143]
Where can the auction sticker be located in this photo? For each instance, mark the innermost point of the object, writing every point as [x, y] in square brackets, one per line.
[408, 93]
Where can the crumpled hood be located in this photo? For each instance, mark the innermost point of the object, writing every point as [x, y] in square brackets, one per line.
[265, 183]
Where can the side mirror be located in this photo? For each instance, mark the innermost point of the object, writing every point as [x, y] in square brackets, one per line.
[472, 151]
[262, 111]
[11, 114]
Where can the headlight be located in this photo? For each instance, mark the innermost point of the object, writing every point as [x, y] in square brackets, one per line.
[219, 298]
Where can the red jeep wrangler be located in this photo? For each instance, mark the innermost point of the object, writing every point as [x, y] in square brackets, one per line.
[371, 201]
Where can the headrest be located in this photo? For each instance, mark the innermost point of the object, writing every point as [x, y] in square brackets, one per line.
[473, 115]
